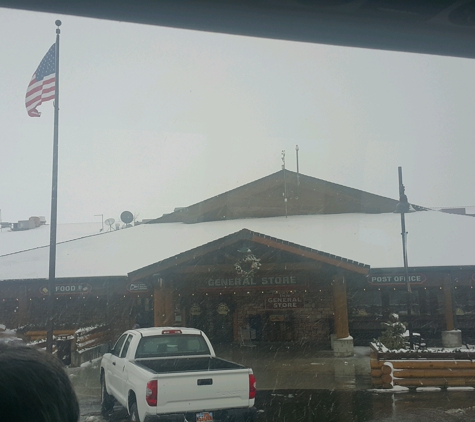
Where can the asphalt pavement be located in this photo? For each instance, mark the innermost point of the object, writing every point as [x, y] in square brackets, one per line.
[304, 384]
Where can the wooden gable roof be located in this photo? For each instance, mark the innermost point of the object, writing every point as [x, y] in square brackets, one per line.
[204, 257]
[265, 197]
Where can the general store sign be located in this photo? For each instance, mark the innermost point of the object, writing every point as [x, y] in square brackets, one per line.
[284, 301]
[238, 282]
[395, 279]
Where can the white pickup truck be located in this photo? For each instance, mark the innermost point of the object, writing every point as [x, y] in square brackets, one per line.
[173, 374]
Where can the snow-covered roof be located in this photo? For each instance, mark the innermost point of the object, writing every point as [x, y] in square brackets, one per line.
[434, 239]
[15, 241]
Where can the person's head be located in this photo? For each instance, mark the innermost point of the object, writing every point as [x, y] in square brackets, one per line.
[34, 387]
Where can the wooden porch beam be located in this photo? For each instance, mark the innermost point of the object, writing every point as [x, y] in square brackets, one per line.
[335, 262]
[185, 257]
[226, 268]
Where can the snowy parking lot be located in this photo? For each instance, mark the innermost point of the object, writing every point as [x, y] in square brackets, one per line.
[343, 404]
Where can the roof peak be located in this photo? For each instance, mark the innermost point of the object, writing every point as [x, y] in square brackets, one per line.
[282, 193]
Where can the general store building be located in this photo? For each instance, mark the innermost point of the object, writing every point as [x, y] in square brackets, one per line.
[247, 266]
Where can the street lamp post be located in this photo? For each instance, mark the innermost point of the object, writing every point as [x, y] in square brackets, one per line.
[402, 208]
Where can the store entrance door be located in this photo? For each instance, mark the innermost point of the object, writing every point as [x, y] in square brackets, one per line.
[255, 326]
[215, 318]
[143, 308]
[279, 327]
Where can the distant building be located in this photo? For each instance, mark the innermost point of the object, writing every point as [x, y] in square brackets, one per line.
[459, 210]
[31, 223]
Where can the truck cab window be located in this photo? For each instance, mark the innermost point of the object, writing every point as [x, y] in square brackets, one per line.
[126, 346]
[171, 345]
[118, 345]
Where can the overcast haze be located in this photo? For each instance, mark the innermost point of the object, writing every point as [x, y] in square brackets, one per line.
[155, 118]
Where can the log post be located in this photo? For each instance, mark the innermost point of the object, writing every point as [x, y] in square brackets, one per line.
[343, 343]
[22, 305]
[451, 337]
[163, 306]
[341, 307]
[448, 304]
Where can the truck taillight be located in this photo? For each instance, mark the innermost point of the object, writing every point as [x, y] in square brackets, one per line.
[171, 332]
[252, 386]
[151, 393]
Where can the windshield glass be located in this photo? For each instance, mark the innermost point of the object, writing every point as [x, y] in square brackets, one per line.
[171, 345]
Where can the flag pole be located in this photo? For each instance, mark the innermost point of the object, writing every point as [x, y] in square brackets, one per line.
[54, 205]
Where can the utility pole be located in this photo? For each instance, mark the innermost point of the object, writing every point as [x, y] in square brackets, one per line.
[285, 182]
[297, 156]
[402, 208]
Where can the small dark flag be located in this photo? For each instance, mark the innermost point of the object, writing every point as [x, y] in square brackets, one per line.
[42, 85]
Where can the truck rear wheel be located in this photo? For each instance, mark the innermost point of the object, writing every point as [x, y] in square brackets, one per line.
[107, 401]
[134, 413]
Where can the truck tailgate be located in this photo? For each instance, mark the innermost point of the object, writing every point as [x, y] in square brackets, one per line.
[197, 391]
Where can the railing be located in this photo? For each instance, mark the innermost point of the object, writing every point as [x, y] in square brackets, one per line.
[90, 343]
[74, 347]
[422, 368]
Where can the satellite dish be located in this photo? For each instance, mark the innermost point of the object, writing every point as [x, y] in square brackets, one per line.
[127, 217]
[110, 222]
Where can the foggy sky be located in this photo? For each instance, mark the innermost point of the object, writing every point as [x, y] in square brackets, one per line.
[155, 118]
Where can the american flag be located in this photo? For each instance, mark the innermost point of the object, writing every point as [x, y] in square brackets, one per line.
[42, 85]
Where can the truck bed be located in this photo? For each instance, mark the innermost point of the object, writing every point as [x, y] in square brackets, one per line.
[185, 364]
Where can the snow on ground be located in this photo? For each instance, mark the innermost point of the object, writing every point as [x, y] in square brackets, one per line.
[395, 389]
[7, 335]
[362, 350]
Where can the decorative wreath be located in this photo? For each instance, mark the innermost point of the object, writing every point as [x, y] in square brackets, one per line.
[247, 265]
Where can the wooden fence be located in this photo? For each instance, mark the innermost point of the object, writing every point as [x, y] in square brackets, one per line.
[422, 368]
[74, 347]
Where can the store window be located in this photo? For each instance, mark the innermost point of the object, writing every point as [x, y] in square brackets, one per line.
[386, 300]
[365, 303]
[464, 300]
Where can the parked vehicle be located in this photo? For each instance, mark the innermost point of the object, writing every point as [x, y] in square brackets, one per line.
[173, 374]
